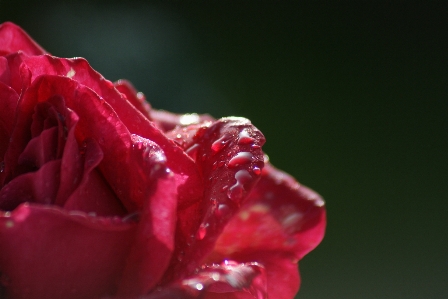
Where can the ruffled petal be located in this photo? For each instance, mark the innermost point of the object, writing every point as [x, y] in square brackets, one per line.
[186, 173]
[93, 195]
[280, 222]
[14, 39]
[41, 245]
[286, 216]
[227, 164]
[99, 122]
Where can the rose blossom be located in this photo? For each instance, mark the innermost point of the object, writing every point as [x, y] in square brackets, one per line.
[104, 197]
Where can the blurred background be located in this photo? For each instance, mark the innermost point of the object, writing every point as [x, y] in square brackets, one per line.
[352, 98]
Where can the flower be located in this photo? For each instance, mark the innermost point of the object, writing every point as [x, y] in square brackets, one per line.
[103, 196]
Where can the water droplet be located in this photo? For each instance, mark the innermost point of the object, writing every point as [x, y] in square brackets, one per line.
[9, 224]
[236, 191]
[244, 137]
[256, 170]
[243, 176]
[178, 136]
[180, 256]
[189, 119]
[2, 166]
[265, 158]
[256, 146]
[240, 158]
[71, 73]
[202, 231]
[219, 144]
[224, 188]
[222, 210]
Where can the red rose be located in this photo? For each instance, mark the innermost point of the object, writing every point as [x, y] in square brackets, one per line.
[104, 197]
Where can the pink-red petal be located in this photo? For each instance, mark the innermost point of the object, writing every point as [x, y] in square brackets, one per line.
[280, 222]
[50, 253]
[14, 39]
[228, 175]
[137, 99]
[154, 245]
[39, 186]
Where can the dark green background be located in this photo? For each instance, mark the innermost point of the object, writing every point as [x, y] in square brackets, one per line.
[351, 96]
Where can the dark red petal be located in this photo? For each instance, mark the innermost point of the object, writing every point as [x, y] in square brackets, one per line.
[49, 253]
[137, 99]
[152, 250]
[8, 104]
[39, 186]
[40, 150]
[10, 75]
[14, 39]
[93, 194]
[227, 166]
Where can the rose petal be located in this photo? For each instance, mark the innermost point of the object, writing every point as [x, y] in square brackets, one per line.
[8, 103]
[11, 73]
[40, 186]
[280, 222]
[43, 245]
[137, 99]
[39, 150]
[229, 176]
[152, 250]
[93, 195]
[14, 39]
[284, 215]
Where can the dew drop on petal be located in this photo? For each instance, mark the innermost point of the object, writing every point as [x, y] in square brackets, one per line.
[222, 210]
[256, 170]
[240, 158]
[219, 144]
[244, 137]
[189, 119]
[202, 231]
